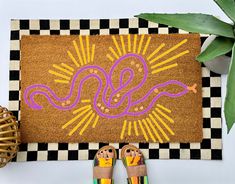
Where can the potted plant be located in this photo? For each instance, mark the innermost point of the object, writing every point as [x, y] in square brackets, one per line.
[214, 49]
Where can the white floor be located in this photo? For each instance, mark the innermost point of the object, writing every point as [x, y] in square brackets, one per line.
[80, 172]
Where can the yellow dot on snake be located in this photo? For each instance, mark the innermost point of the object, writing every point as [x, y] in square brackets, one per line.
[136, 109]
[115, 100]
[106, 110]
[118, 95]
[141, 108]
[137, 65]
[132, 62]
[102, 108]
[99, 104]
[140, 69]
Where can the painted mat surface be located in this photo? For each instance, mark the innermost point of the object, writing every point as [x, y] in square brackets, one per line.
[128, 88]
[211, 146]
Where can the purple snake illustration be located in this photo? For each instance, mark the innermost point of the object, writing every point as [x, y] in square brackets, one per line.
[105, 85]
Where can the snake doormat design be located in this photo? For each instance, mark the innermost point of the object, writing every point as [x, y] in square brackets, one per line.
[120, 88]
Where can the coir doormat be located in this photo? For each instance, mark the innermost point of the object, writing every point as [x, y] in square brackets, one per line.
[54, 84]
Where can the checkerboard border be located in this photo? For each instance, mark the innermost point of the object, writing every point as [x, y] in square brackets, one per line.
[209, 149]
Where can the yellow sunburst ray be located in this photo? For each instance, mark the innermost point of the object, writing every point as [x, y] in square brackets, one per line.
[73, 58]
[59, 75]
[146, 45]
[159, 127]
[154, 130]
[134, 43]
[149, 131]
[156, 51]
[62, 69]
[140, 43]
[109, 57]
[61, 81]
[75, 118]
[78, 53]
[80, 123]
[129, 42]
[113, 52]
[86, 101]
[136, 129]
[83, 49]
[164, 68]
[96, 121]
[67, 66]
[117, 45]
[169, 51]
[82, 108]
[143, 131]
[170, 59]
[123, 45]
[123, 129]
[164, 115]
[88, 49]
[129, 128]
[164, 108]
[163, 123]
[87, 124]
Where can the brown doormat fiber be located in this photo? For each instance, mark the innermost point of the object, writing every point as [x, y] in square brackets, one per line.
[122, 88]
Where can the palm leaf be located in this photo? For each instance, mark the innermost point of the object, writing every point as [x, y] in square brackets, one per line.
[229, 106]
[218, 47]
[228, 6]
[192, 22]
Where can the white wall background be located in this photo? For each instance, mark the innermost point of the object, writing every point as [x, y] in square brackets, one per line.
[80, 172]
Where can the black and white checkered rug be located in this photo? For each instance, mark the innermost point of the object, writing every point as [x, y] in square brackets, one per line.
[211, 146]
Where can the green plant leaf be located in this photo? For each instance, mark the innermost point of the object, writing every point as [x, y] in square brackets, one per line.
[219, 46]
[229, 106]
[192, 22]
[228, 6]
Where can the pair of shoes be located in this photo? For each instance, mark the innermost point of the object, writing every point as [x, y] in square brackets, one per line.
[132, 159]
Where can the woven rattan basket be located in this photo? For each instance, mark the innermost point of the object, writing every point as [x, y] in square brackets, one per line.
[9, 136]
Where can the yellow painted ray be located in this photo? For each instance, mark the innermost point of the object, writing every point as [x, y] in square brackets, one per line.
[96, 121]
[82, 108]
[164, 68]
[164, 108]
[149, 131]
[117, 45]
[87, 123]
[92, 53]
[123, 129]
[154, 130]
[143, 131]
[61, 81]
[86, 101]
[113, 52]
[67, 66]
[129, 128]
[140, 44]
[73, 59]
[169, 50]
[62, 69]
[146, 45]
[170, 59]
[80, 123]
[158, 127]
[129, 43]
[59, 75]
[75, 118]
[136, 129]
[163, 123]
[83, 50]
[134, 43]
[156, 51]
[164, 115]
[88, 49]
[109, 57]
[123, 45]
[78, 53]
